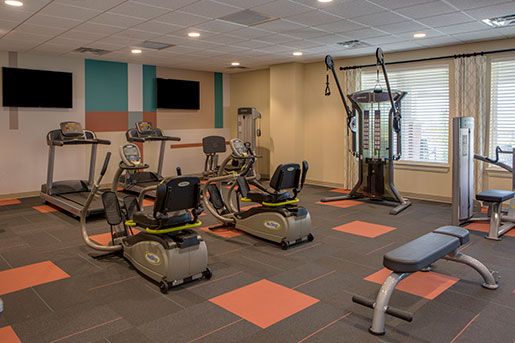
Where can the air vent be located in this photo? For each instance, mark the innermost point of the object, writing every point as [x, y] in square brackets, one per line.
[237, 67]
[353, 44]
[155, 45]
[91, 51]
[507, 20]
[247, 18]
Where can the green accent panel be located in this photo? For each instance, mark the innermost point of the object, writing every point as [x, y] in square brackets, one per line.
[106, 86]
[219, 101]
[149, 88]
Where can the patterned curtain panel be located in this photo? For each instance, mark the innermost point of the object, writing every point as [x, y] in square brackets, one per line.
[352, 84]
[471, 101]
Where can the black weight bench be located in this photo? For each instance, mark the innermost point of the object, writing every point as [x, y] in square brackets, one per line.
[494, 199]
[419, 255]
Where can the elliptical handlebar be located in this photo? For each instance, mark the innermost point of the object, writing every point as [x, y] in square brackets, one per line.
[84, 212]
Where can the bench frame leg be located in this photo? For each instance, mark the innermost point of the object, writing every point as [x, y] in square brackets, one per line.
[382, 301]
[489, 279]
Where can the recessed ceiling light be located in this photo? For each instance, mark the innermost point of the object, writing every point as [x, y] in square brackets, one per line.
[419, 35]
[324, 1]
[136, 51]
[297, 53]
[14, 3]
[193, 34]
[235, 64]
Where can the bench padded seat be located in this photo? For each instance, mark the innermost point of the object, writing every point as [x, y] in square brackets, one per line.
[420, 253]
[462, 234]
[495, 195]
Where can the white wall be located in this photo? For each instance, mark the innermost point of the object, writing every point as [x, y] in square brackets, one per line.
[24, 151]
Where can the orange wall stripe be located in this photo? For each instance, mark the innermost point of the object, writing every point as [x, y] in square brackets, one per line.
[107, 121]
[7, 335]
[16, 279]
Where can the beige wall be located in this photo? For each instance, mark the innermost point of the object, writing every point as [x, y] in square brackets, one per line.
[189, 119]
[251, 89]
[321, 138]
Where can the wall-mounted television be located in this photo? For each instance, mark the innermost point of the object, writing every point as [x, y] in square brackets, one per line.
[36, 88]
[178, 94]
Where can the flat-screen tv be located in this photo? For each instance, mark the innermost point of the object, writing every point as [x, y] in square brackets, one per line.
[178, 94]
[36, 88]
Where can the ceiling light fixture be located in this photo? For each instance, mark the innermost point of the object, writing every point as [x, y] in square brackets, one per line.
[325, 1]
[193, 34]
[14, 3]
[419, 35]
[507, 20]
[235, 64]
[297, 53]
[136, 51]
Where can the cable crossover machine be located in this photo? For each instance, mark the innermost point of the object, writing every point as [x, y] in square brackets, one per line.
[374, 123]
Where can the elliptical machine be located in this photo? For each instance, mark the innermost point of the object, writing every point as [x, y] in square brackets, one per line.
[278, 218]
[373, 139]
[159, 244]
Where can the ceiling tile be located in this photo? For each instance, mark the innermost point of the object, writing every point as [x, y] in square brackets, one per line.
[38, 29]
[183, 50]
[137, 34]
[303, 44]
[353, 9]
[26, 37]
[280, 25]
[469, 4]
[117, 20]
[52, 49]
[430, 33]
[306, 33]
[138, 10]
[83, 36]
[6, 26]
[341, 26]
[99, 28]
[69, 12]
[219, 26]
[157, 27]
[383, 40]
[314, 18]
[15, 45]
[226, 39]
[72, 43]
[331, 39]
[365, 33]
[462, 28]
[210, 9]
[446, 19]
[438, 41]
[253, 44]
[282, 8]
[426, 10]
[182, 19]
[407, 26]
[46, 20]
[250, 32]
[245, 3]
[493, 11]
[278, 38]
[381, 18]
[101, 5]
[395, 4]
[479, 35]
[14, 14]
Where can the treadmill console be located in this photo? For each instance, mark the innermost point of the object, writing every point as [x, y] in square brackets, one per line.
[71, 129]
[238, 148]
[145, 128]
[131, 155]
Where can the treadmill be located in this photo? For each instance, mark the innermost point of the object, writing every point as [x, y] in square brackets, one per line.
[71, 195]
[135, 181]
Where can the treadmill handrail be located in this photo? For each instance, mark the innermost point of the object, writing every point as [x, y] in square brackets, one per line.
[80, 141]
[153, 138]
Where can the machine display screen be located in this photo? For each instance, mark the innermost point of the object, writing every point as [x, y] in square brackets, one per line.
[131, 153]
[238, 147]
[144, 127]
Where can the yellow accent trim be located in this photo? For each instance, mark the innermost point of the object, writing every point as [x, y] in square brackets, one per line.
[277, 204]
[246, 200]
[130, 223]
[173, 229]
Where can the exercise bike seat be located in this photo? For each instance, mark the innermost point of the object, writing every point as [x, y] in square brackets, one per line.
[177, 205]
[286, 183]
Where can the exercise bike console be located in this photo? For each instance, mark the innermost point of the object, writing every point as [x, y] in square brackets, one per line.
[131, 155]
[239, 149]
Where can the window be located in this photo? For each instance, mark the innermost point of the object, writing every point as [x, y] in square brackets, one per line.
[425, 111]
[502, 106]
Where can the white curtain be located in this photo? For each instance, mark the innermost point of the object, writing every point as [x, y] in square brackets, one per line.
[471, 101]
[351, 84]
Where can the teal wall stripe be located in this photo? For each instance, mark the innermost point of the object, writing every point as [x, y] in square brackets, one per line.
[106, 86]
[219, 101]
[149, 88]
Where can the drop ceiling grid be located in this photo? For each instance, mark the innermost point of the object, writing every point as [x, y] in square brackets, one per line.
[60, 26]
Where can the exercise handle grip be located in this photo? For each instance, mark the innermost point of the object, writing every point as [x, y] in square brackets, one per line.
[398, 313]
[106, 164]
